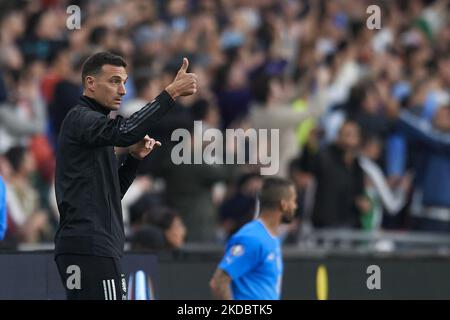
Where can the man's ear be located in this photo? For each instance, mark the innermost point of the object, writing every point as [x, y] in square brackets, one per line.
[89, 82]
[283, 205]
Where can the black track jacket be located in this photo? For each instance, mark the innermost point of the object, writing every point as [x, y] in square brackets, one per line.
[89, 184]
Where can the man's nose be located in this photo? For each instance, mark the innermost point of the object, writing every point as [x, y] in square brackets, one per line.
[122, 91]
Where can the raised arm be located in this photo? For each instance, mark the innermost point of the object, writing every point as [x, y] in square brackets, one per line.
[95, 129]
[422, 130]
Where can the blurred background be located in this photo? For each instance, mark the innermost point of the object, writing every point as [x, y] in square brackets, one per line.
[363, 114]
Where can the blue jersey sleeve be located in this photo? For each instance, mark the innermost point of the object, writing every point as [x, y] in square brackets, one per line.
[241, 256]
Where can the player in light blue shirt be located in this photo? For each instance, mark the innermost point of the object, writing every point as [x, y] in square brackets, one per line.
[252, 267]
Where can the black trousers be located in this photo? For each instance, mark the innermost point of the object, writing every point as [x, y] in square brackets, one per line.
[91, 278]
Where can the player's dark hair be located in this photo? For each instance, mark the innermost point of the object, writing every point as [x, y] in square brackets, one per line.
[273, 191]
[93, 65]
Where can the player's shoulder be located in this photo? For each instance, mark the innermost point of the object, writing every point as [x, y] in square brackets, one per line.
[249, 233]
[249, 227]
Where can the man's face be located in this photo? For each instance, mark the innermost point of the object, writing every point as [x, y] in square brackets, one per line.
[349, 137]
[29, 164]
[289, 206]
[176, 233]
[442, 119]
[108, 87]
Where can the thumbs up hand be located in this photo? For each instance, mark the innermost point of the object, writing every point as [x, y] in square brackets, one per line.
[184, 67]
[184, 84]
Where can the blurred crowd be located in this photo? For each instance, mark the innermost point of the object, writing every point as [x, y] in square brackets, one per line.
[363, 114]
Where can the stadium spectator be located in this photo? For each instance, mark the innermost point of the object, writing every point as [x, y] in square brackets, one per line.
[170, 223]
[339, 199]
[30, 222]
[160, 228]
[189, 191]
[430, 207]
[272, 111]
[377, 190]
[241, 207]
[23, 118]
[148, 238]
[65, 95]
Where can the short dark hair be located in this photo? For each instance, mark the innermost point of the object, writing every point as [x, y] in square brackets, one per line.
[148, 237]
[273, 191]
[162, 217]
[93, 65]
[16, 156]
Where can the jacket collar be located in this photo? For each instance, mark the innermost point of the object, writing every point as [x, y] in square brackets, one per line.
[94, 105]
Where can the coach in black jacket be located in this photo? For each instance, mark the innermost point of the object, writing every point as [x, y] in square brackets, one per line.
[89, 183]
